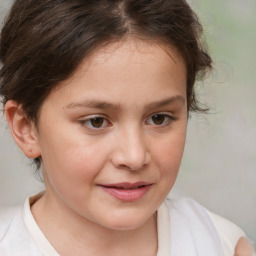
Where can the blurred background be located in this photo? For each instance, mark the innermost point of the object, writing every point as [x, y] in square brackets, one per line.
[219, 165]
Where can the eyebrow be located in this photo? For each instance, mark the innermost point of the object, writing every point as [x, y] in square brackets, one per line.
[167, 101]
[91, 103]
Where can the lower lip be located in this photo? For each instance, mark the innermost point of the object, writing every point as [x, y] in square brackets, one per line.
[127, 195]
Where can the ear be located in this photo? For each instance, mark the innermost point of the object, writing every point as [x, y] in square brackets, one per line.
[23, 130]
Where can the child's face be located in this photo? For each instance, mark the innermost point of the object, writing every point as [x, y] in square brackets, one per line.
[121, 118]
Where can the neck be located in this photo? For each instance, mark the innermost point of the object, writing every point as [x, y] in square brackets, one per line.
[72, 234]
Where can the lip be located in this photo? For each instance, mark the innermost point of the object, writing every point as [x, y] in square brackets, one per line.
[126, 191]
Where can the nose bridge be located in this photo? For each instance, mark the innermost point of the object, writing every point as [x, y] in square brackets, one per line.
[131, 151]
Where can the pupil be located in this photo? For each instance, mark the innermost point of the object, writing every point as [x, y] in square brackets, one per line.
[97, 122]
[158, 119]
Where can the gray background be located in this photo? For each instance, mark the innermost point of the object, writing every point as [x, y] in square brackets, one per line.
[219, 165]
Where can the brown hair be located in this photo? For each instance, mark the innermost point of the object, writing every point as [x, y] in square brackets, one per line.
[44, 41]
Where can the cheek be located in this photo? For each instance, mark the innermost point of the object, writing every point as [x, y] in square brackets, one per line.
[169, 154]
[71, 164]
[167, 158]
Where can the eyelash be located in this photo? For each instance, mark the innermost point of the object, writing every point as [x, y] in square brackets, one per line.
[104, 123]
[168, 119]
[88, 122]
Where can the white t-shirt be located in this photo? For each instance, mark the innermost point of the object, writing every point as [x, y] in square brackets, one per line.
[185, 228]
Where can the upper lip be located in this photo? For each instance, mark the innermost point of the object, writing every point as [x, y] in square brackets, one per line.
[126, 185]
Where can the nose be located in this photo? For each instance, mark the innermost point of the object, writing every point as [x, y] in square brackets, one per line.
[131, 151]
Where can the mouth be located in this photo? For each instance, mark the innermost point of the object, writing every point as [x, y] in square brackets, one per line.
[127, 192]
[127, 185]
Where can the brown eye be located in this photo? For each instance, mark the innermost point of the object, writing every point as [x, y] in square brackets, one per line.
[97, 122]
[158, 119]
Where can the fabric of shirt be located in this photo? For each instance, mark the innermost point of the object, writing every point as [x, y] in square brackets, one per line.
[185, 228]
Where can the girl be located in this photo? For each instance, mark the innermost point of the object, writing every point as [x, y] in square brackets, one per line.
[98, 93]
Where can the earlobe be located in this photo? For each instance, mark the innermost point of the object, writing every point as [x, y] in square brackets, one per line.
[23, 130]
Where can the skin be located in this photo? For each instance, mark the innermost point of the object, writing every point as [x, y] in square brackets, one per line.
[243, 248]
[130, 86]
[125, 85]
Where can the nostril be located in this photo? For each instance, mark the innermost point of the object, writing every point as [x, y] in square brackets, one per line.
[131, 153]
[136, 164]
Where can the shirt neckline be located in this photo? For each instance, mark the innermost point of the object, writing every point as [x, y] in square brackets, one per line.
[39, 238]
[163, 229]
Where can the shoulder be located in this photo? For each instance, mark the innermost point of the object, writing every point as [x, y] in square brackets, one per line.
[14, 236]
[6, 217]
[228, 232]
[207, 223]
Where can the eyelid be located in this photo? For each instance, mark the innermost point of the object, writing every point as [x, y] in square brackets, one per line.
[83, 122]
[167, 115]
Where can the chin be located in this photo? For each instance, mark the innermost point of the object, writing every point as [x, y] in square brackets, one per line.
[126, 226]
[127, 221]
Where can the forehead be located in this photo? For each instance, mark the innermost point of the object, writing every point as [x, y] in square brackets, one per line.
[134, 52]
[121, 70]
